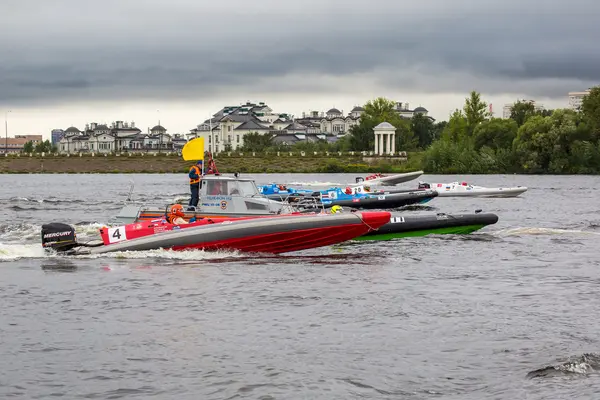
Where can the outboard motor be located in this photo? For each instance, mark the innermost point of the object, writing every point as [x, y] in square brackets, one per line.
[57, 236]
[423, 185]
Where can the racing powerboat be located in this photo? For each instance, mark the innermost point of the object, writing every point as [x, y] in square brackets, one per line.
[282, 192]
[360, 199]
[403, 225]
[268, 234]
[388, 180]
[463, 189]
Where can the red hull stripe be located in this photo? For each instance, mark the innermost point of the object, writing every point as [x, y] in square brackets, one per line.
[285, 241]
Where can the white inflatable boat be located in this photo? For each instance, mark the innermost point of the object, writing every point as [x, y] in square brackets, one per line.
[463, 189]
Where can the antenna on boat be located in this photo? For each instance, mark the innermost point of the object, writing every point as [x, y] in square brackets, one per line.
[130, 194]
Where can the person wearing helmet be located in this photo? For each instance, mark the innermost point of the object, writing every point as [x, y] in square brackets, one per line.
[336, 209]
[176, 215]
[195, 175]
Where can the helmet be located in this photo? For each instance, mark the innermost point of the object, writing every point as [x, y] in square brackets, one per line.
[336, 209]
[367, 188]
[348, 190]
[177, 210]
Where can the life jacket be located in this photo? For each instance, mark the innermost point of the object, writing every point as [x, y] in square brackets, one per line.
[171, 219]
[194, 181]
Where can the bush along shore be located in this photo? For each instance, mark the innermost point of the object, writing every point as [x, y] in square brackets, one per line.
[285, 162]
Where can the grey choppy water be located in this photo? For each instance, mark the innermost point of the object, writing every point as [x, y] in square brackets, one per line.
[446, 317]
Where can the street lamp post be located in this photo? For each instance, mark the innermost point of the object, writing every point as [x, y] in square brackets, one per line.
[159, 134]
[6, 132]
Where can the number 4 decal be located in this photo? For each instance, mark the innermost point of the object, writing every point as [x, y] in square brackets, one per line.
[116, 234]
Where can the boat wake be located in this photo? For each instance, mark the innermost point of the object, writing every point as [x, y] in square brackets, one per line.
[13, 252]
[21, 241]
[582, 365]
[522, 231]
[417, 207]
[51, 199]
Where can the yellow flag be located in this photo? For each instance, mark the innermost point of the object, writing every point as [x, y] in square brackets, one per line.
[193, 150]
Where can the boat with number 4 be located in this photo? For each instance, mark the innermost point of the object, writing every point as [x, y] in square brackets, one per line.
[220, 197]
[268, 234]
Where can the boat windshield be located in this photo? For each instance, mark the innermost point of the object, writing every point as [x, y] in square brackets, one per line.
[243, 188]
[217, 188]
[230, 188]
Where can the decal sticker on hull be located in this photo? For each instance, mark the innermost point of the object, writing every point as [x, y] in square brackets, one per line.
[117, 234]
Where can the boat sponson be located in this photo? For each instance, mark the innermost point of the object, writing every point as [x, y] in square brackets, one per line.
[400, 224]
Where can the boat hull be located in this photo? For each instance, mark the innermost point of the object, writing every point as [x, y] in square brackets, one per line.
[403, 226]
[386, 201]
[390, 180]
[264, 235]
[499, 192]
[487, 192]
[456, 189]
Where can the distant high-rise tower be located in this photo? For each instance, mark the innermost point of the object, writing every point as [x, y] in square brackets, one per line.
[56, 135]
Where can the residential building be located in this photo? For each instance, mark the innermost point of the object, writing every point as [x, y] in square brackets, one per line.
[405, 112]
[68, 142]
[179, 141]
[226, 128]
[507, 109]
[118, 137]
[291, 138]
[576, 99]
[334, 122]
[158, 138]
[16, 144]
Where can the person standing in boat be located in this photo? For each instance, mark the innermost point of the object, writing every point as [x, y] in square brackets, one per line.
[195, 176]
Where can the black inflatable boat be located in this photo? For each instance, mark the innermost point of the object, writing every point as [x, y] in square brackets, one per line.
[402, 225]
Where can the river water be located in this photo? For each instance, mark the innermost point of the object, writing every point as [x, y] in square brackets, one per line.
[509, 312]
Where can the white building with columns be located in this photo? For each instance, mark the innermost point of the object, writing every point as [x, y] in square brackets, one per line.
[385, 138]
[576, 99]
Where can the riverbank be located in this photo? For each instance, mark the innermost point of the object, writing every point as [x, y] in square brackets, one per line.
[284, 163]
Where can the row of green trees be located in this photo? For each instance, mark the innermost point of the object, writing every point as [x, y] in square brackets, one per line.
[560, 141]
[40, 147]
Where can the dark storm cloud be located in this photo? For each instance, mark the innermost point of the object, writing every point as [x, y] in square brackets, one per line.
[69, 50]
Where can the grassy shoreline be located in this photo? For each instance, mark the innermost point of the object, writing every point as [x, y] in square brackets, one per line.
[263, 163]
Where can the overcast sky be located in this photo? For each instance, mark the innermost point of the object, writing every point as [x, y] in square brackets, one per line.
[69, 62]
